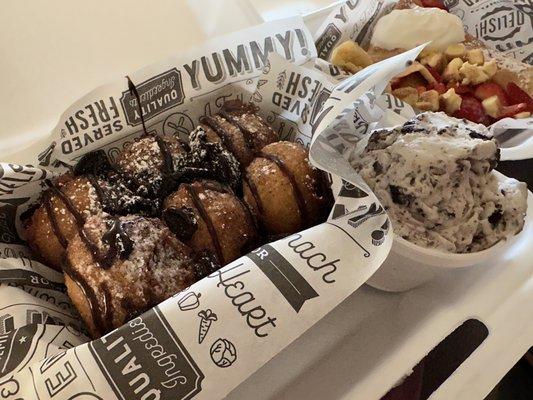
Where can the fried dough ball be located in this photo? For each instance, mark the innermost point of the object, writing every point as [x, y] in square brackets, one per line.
[208, 216]
[53, 223]
[238, 127]
[119, 267]
[67, 204]
[146, 160]
[284, 191]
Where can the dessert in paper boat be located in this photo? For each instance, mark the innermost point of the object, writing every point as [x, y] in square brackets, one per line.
[127, 235]
[455, 73]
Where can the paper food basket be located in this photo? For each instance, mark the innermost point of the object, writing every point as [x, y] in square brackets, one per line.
[359, 350]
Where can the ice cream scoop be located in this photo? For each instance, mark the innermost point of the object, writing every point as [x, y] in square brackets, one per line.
[434, 176]
[408, 28]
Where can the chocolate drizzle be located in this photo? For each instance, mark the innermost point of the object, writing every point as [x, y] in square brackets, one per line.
[67, 202]
[257, 199]
[133, 90]
[78, 218]
[300, 200]
[99, 315]
[191, 190]
[167, 166]
[103, 260]
[108, 307]
[246, 134]
[97, 188]
[119, 243]
[180, 221]
[220, 131]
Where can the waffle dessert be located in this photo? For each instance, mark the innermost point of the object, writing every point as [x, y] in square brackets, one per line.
[455, 73]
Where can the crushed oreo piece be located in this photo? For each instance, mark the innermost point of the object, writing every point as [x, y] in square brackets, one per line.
[117, 198]
[495, 218]
[207, 160]
[476, 134]
[205, 263]
[398, 197]
[95, 163]
[494, 162]
[181, 222]
[409, 127]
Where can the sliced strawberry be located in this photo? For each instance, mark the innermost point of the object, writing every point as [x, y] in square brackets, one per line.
[439, 87]
[517, 95]
[471, 109]
[434, 3]
[489, 89]
[509, 111]
[435, 73]
[461, 89]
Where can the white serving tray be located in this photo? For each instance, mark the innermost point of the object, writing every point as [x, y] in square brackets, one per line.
[370, 341]
[373, 339]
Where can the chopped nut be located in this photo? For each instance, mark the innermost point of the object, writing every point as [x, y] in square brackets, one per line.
[428, 101]
[451, 72]
[417, 67]
[523, 114]
[490, 68]
[492, 106]
[475, 56]
[350, 56]
[455, 50]
[408, 94]
[451, 101]
[472, 74]
[424, 106]
[434, 60]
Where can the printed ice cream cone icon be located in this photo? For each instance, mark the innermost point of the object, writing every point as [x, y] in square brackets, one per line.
[189, 301]
[206, 319]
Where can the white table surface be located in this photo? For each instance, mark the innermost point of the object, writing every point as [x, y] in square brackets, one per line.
[54, 51]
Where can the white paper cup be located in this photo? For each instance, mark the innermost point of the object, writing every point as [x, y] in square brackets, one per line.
[409, 265]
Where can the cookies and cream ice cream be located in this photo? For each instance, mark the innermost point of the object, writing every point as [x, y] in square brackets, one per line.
[408, 28]
[434, 177]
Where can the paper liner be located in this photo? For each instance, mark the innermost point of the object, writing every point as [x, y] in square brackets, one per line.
[262, 301]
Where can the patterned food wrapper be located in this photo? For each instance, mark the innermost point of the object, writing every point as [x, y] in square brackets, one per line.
[163, 354]
[207, 339]
[504, 26]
